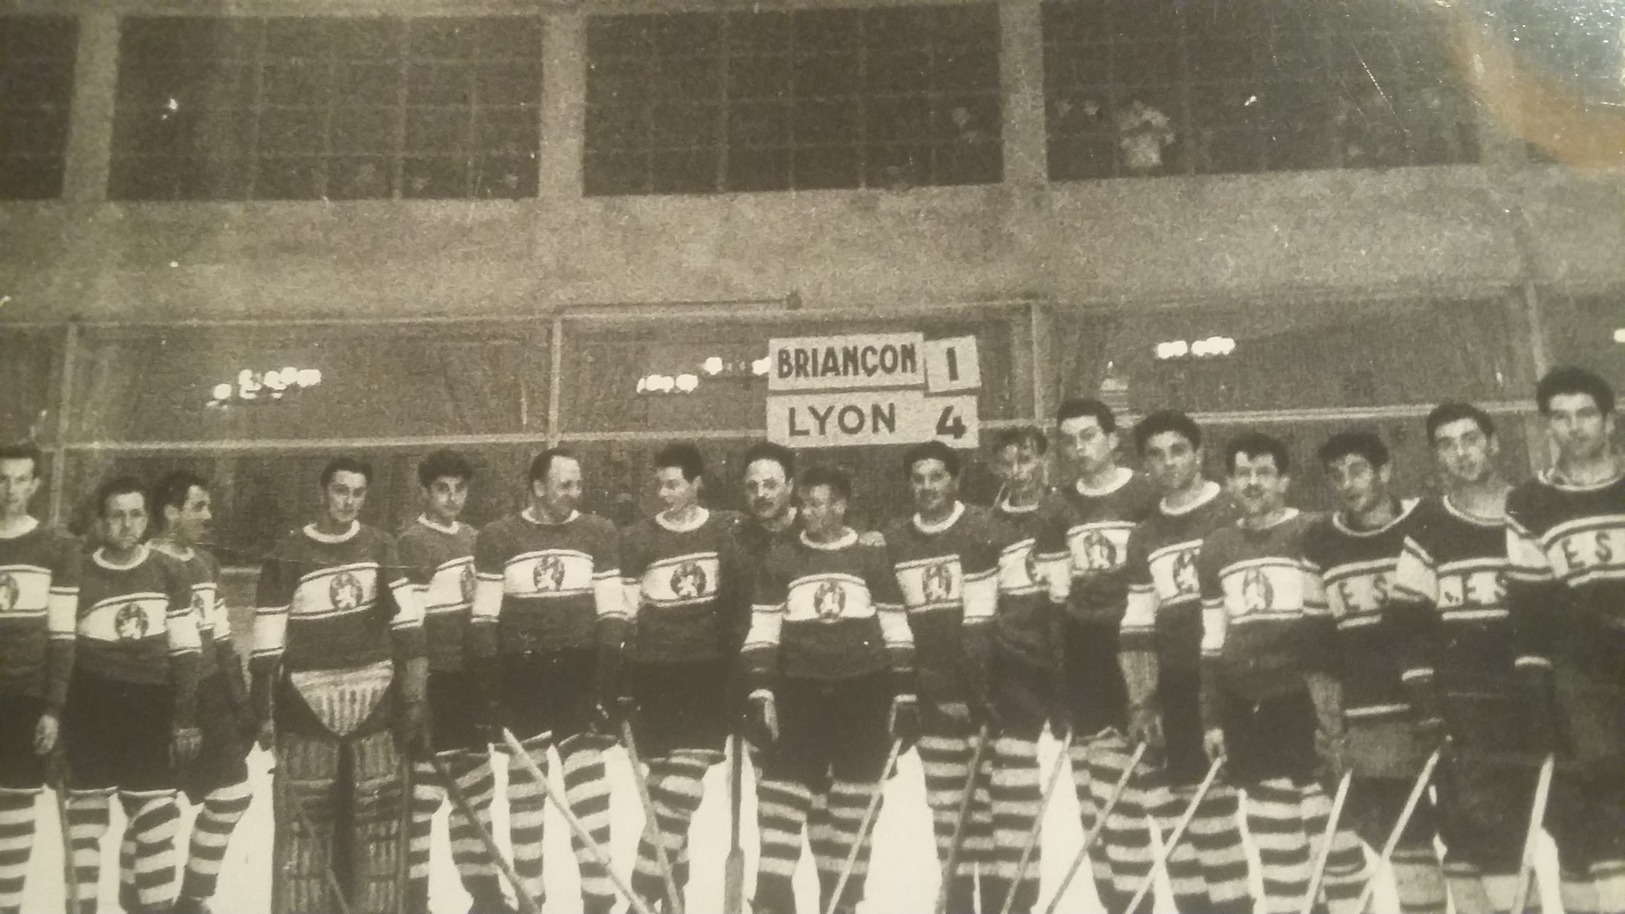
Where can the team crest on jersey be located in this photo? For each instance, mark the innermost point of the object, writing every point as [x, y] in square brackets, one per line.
[938, 582]
[1099, 553]
[130, 623]
[688, 581]
[1186, 582]
[199, 605]
[548, 574]
[829, 601]
[1029, 561]
[8, 592]
[345, 591]
[1257, 593]
[465, 583]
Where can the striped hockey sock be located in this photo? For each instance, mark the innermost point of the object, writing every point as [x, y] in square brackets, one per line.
[426, 798]
[89, 814]
[1346, 873]
[781, 810]
[1126, 840]
[16, 843]
[153, 821]
[222, 809]
[1275, 819]
[676, 787]
[1184, 861]
[1608, 877]
[1574, 889]
[1418, 880]
[848, 801]
[1216, 835]
[1016, 794]
[472, 773]
[946, 756]
[586, 789]
[1083, 784]
[527, 801]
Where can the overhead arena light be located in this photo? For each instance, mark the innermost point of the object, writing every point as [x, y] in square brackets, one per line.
[1210, 347]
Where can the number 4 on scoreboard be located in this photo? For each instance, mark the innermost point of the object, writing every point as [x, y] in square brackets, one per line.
[950, 424]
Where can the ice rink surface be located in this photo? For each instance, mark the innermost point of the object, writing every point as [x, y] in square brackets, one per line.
[903, 872]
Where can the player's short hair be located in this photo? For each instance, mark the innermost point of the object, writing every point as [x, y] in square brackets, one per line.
[1087, 406]
[120, 485]
[683, 456]
[1256, 444]
[1030, 435]
[931, 450]
[444, 463]
[778, 453]
[23, 450]
[1166, 420]
[1573, 380]
[542, 463]
[825, 475]
[346, 464]
[1354, 443]
[171, 491]
[1454, 411]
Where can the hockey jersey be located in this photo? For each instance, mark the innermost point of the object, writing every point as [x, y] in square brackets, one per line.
[136, 624]
[827, 611]
[688, 589]
[1264, 617]
[547, 587]
[1356, 568]
[947, 574]
[439, 562]
[39, 600]
[1034, 571]
[1164, 608]
[213, 621]
[1566, 574]
[1098, 524]
[328, 602]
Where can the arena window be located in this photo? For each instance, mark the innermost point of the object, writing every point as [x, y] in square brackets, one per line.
[36, 88]
[1156, 87]
[793, 100]
[327, 108]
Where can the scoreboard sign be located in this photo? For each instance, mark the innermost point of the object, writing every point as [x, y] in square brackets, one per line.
[868, 389]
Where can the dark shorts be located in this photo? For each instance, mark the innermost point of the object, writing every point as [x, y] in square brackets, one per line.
[1484, 806]
[220, 760]
[830, 728]
[456, 708]
[1269, 738]
[117, 734]
[1387, 747]
[1179, 700]
[1021, 692]
[20, 768]
[1094, 681]
[1592, 704]
[548, 692]
[682, 706]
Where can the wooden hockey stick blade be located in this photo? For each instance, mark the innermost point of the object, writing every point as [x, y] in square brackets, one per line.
[1537, 815]
[651, 830]
[518, 750]
[1319, 871]
[965, 803]
[70, 874]
[864, 824]
[1411, 802]
[1178, 834]
[733, 869]
[527, 904]
[1094, 833]
[1032, 834]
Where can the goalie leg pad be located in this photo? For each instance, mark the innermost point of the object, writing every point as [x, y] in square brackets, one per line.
[378, 824]
[306, 781]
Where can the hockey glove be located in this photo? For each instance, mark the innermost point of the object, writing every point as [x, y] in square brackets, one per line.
[904, 720]
[1332, 750]
[46, 733]
[762, 727]
[1145, 726]
[1213, 743]
[184, 743]
[262, 691]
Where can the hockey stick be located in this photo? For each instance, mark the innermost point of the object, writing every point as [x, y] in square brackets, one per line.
[593, 847]
[1537, 815]
[1417, 789]
[1178, 834]
[527, 904]
[1326, 842]
[863, 825]
[1099, 827]
[403, 849]
[733, 870]
[957, 843]
[1038, 821]
[70, 873]
[651, 828]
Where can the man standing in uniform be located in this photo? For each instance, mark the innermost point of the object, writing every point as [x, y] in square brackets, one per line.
[1355, 551]
[830, 662]
[339, 681]
[1102, 506]
[39, 595]
[218, 778]
[685, 582]
[1460, 677]
[1161, 660]
[1566, 594]
[131, 717]
[547, 629]
[770, 492]
[438, 552]
[946, 561]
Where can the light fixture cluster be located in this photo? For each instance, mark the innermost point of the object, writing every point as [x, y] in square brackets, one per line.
[714, 368]
[263, 387]
[1201, 349]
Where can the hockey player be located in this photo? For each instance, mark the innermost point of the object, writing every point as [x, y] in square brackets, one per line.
[1103, 504]
[946, 561]
[131, 717]
[1267, 707]
[770, 491]
[1033, 568]
[218, 778]
[339, 681]
[1161, 651]
[830, 662]
[39, 593]
[1355, 551]
[1566, 594]
[438, 552]
[682, 574]
[1460, 682]
[548, 624]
